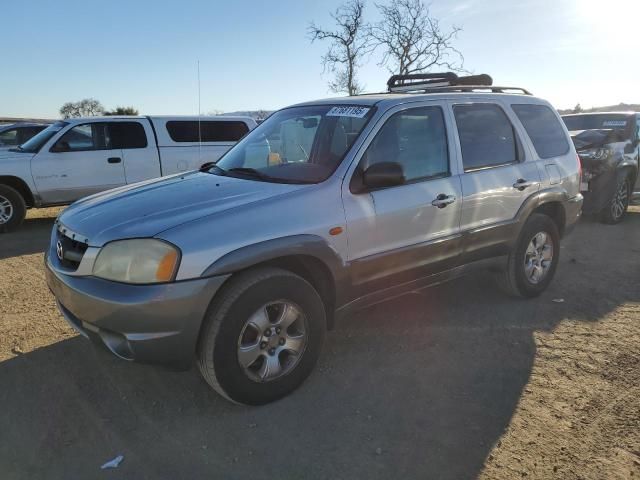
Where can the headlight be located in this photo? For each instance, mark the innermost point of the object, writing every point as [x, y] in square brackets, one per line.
[137, 261]
[595, 153]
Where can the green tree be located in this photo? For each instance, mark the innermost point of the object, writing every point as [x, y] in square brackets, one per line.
[122, 111]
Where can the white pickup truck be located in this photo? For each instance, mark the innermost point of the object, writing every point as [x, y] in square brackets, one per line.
[77, 157]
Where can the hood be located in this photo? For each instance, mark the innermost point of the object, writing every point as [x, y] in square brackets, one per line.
[146, 209]
[6, 153]
[596, 138]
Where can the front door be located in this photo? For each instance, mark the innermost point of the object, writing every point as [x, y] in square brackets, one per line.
[81, 162]
[405, 232]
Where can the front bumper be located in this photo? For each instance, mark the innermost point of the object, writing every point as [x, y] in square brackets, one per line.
[601, 189]
[145, 323]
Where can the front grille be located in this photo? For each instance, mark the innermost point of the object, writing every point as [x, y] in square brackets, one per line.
[72, 251]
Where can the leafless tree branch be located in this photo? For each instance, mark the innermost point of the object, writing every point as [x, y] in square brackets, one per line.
[412, 40]
[349, 44]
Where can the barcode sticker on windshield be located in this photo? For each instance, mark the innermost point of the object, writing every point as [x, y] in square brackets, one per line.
[355, 112]
[614, 123]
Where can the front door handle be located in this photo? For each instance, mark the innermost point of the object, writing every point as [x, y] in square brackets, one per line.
[521, 184]
[114, 160]
[443, 200]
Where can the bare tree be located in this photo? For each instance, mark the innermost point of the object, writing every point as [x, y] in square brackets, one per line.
[413, 40]
[89, 107]
[349, 43]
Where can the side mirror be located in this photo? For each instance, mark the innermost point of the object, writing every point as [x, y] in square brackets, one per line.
[383, 174]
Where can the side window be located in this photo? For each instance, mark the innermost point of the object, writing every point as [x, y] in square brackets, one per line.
[416, 139]
[127, 135]
[89, 136]
[487, 137]
[189, 131]
[9, 137]
[544, 129]
[27, 133]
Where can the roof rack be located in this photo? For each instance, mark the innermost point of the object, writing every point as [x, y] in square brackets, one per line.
[447, 82]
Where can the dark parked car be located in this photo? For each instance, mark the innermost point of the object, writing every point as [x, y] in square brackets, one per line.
[608, 146]
[16, 134]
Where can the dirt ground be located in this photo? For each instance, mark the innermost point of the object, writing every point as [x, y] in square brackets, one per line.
[454, 382]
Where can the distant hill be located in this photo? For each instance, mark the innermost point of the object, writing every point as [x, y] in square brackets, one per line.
[621, 107]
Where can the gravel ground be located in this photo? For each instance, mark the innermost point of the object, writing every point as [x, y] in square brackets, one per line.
[454, 382]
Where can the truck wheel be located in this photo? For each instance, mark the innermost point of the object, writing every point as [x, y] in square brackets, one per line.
[12, 209]
[617, 207]
[532, 264]
[261, 336]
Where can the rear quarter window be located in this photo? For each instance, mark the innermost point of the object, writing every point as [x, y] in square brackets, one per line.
[127, 135]
[189, 131]
[544, 129]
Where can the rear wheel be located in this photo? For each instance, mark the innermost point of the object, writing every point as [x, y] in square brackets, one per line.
[616, 209]
[262, 336]
[532, 264]
[12, 209]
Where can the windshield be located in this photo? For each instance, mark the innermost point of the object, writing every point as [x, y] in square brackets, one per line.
[35, 143]
[296, 145]
[611, 121]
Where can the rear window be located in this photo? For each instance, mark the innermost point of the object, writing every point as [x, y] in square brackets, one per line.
[544, 130]
[599, 121]
[127, 135]
[207, 131]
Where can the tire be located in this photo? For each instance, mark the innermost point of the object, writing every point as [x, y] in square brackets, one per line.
[618, 204]
[12, 209]
[227, 332]
[516, 280]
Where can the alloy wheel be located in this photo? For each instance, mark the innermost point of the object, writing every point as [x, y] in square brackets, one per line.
[538, 257]
[620, 199]
[272, 341]
[6, 210]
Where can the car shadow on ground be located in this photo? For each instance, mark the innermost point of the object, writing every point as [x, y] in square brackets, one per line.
[419, 387]
[32, 237]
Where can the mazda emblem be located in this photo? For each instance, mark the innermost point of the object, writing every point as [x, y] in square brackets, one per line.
[59, 250]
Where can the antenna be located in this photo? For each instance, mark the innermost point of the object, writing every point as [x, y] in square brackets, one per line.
[199, 119]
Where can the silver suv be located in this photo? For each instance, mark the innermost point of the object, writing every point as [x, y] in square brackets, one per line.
[326, 207]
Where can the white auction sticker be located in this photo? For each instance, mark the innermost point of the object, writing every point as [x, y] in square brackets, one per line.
[614, 123]
[350, 111]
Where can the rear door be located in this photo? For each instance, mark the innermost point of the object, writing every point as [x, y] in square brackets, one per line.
[498, 174]
[81, 162]
[400, 233]
[139, 152]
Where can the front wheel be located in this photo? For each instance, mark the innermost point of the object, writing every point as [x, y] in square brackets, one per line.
[262, 336]
[532, 264]
[12, 209]
[616, 209]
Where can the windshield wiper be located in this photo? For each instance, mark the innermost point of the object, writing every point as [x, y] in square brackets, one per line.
[207, 167]
[252, 172]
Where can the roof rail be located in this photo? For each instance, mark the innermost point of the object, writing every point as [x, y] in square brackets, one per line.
[447, 82]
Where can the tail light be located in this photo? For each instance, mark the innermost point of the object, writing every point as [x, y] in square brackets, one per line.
[579, 169]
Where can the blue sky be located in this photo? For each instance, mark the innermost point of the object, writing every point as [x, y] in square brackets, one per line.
[255, 54]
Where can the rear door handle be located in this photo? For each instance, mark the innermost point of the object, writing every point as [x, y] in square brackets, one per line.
[114, 160]
[521, 184]
[443, 200]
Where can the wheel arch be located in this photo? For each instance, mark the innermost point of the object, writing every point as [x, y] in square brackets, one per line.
[556, 211]
[308, 256]
[21, 187]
